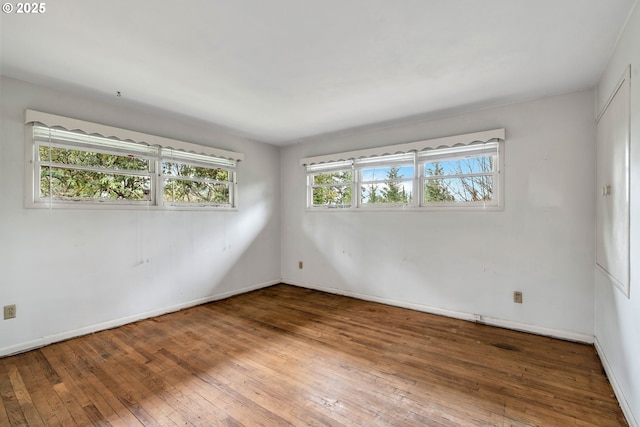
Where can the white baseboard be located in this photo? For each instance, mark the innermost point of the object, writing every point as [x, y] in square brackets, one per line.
[50, 339]
[507, 324]
[538, 330]
[626, 410]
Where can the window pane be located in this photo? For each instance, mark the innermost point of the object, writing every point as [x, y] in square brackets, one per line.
[463, 189]
[388, 193]
[189, 171]
[332, 196]
[81, 184]
[461, 166]
[387, 173]
[186, 191]
[343, 177]
[68, 156]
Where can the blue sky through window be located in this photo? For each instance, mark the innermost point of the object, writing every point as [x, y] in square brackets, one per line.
[452, 167]
[380, 174]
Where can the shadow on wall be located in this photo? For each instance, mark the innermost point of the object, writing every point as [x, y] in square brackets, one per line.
[212, 260]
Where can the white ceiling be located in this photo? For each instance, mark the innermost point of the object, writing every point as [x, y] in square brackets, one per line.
[282, 70]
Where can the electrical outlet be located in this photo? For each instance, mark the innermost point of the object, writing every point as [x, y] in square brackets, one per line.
[9, 311]
[300, 265]
[517, 297]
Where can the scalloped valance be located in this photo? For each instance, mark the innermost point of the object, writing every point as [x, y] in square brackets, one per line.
[89, 128]
[417, 146]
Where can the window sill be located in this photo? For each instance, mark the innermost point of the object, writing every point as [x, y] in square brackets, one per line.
[412, 209]
[124, 206]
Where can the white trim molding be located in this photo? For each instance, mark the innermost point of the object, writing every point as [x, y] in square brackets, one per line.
[624, 405]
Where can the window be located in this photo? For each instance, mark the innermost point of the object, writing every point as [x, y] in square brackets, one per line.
[386, 181]
[75, 168]
[460, 176]
[425, 174]
[332, 186]
[192, 179]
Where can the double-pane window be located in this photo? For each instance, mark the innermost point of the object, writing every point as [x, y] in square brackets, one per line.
[386, 181]
[460, 176]
[71, 167]
[189, 179]
[332, 186]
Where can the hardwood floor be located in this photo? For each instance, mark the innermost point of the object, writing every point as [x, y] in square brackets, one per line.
[289, 356]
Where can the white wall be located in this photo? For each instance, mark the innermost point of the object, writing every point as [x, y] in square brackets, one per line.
[617, 318]
[73, 271]
[466, 263]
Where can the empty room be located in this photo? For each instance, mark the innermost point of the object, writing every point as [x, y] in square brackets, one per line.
[320, 213]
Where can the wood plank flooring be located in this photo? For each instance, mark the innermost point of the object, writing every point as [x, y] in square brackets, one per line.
[290, 356]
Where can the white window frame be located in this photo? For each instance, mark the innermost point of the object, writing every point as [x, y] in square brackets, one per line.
[495, 149]
[335, 167]
[383, 162]
[417, 154]
[86, 136]
[198, 161]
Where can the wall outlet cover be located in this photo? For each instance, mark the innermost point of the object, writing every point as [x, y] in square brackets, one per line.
[517, 297]
[9, 311]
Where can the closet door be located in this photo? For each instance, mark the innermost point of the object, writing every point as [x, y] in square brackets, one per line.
[612, 206]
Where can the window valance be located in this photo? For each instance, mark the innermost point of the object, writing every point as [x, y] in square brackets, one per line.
[468, 139]
[89, 128]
